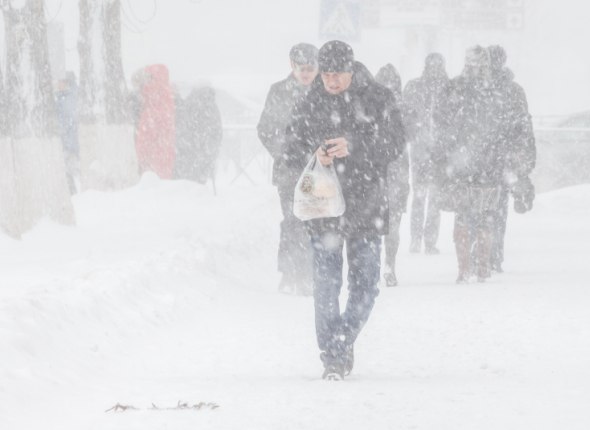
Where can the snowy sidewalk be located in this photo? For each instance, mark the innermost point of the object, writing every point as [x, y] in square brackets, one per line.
[165, 293]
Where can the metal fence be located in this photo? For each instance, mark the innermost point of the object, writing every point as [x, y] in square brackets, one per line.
[563, 154]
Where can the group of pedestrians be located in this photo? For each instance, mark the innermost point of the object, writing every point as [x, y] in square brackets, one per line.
[463, 144]
[176, 137]
[488, 148]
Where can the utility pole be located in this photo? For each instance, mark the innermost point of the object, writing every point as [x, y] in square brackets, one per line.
[29, 88]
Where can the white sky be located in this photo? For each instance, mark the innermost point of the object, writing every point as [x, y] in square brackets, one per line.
[247, 42]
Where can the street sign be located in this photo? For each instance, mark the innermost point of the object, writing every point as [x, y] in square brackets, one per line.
[490, 15]
[340, 19]
[393, 16]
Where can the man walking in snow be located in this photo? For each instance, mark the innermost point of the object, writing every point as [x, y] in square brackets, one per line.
[352, 122]
[475, 150]
[398, 181]
[66, 102]
[198, 135]
[294, 256]
[471, 133]
[421, 99]
[519, 146]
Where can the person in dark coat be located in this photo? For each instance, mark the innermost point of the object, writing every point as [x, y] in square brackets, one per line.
[352, 122]
[398, 174]
[389, 76]
[421, 98]
[68, 117]
[475, 153]
[198, 135]
[294, 254]
[519, 145]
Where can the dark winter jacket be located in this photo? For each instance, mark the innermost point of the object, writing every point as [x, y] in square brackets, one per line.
[518, 137]
[198, 135]
[398, 171]
[275, 118]
[518, 141]
[389, 77]
[367, 116]
[472, 133]
[422, 96]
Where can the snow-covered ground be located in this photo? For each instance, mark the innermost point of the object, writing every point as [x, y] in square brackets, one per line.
[165, 293]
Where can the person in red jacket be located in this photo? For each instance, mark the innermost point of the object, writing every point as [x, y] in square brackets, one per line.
[156, 134]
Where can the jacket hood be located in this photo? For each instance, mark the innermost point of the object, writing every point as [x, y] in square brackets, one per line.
[201, 95]
[389, 77]
[158, 73]
[434, 68]
[361, 76]
[156, 88]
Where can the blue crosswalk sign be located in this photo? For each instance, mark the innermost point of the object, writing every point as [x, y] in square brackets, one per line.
[340, 19]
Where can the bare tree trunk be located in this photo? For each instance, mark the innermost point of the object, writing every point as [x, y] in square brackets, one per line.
[90, 49]
[102, 82]
[107, 150]
[115, 88]
[37, 174]
[3, 108]
[8, 198]
[28, 76]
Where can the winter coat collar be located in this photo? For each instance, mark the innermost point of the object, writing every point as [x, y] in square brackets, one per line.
[503, 76]
[292, 84]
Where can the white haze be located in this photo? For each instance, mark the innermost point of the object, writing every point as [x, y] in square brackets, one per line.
[229, 41]
[164, 292]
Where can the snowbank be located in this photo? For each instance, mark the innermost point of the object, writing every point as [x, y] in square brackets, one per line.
[164, 292]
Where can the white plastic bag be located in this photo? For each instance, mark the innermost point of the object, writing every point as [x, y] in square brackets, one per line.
[318, 193]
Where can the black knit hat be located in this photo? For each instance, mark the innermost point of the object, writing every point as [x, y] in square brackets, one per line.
[335, 56]
[304, 53]
[477, 56]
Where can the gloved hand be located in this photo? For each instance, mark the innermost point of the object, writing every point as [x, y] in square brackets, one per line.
[523, 192]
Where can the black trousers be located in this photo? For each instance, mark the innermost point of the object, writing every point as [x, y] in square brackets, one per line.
[295, 257]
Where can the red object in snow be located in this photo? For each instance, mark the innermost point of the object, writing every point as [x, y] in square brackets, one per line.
[156, 131]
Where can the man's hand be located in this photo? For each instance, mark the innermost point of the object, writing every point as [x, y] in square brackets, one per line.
[332, 148]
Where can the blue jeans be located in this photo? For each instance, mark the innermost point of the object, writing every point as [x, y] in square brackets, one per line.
[336, 331]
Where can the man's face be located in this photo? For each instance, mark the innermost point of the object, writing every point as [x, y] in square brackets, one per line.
[477, 72]
[304, 73]
[336, 82]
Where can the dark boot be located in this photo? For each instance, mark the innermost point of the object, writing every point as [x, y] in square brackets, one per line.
[463, 249]
[431, 250]
[416, 246]
[348, 359]
[389, 275]
[390, 279]
[334, 368]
